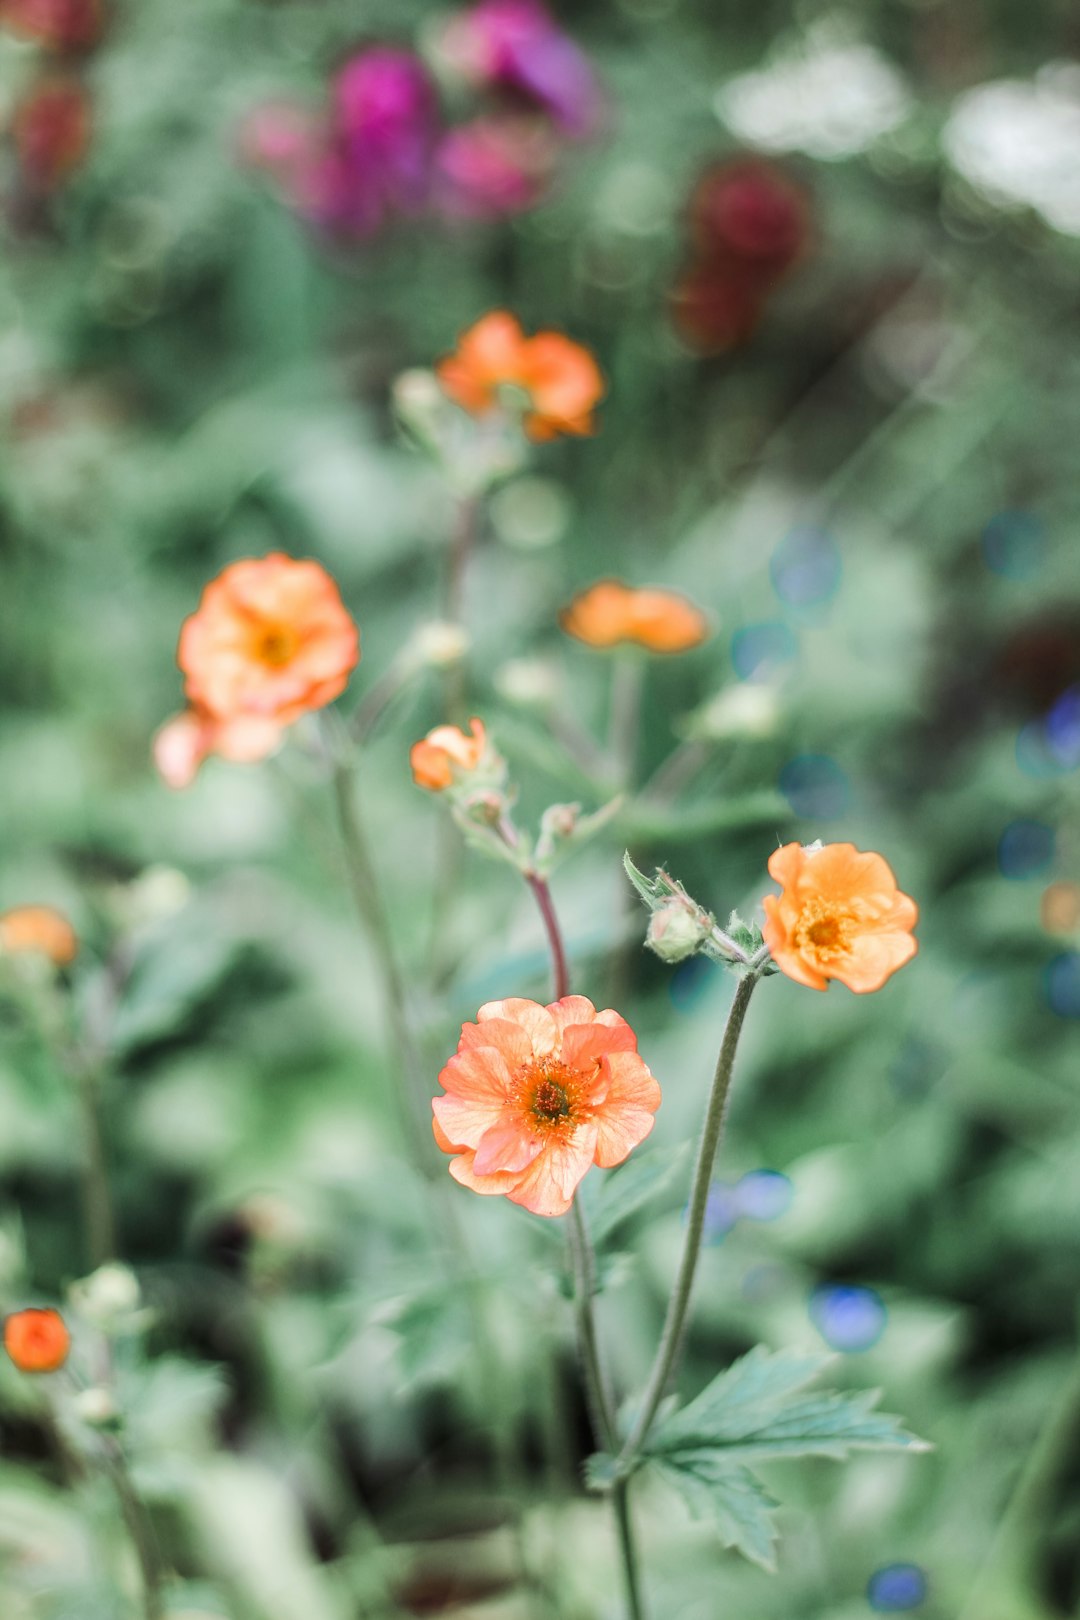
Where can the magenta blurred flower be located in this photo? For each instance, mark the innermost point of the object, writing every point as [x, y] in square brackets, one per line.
[334, 194]
[280, 137]
[385, 120]
[516, 45]
[491, 167]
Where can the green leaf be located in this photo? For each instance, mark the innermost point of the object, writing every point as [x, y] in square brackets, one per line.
[627, 1190]
[646, 823]
[749, 1413]
[738, 1503]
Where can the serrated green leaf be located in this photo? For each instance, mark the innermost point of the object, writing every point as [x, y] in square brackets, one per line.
[739, 1504]
[636, 1183]
[748, 1414]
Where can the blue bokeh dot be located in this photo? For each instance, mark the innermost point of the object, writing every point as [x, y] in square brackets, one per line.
[848, 1316]
[721, 1212]
[1026, 848]
[1062, 729]
[764, 1195]
[1014, 544]
[805, 567]
[896, 1588]
[1063, 984]
[816, 787]
[760, 649]
[691, 981]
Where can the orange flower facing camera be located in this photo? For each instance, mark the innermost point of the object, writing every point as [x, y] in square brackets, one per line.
[839, 916]
[535, 1095]
[271, 640]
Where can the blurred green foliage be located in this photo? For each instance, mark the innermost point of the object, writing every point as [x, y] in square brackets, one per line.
[191, 376]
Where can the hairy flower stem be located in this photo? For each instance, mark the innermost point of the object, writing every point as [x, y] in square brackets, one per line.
[669, 1349]
[598, 1398]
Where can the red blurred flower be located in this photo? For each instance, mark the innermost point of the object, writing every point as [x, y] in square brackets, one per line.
[52, 131]
[60, 25]
[37, 1340]
[493, 166]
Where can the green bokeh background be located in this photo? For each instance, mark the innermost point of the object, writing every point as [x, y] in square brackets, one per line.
[190, 376]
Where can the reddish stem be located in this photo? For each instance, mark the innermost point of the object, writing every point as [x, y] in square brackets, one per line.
[559, 968]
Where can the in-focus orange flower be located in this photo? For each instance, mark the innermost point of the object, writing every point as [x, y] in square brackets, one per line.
[41, 930]
[840, 916]
[559, 378]
[445, 749]
[189, 738]
[37, 1340]
[271, 640]
[535, 1095]
[610, 613]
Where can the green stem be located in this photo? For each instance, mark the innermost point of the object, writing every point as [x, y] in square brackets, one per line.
[142, 1536]
[669, 1349]
[627, 687]
[363, 882]
[96, 1197]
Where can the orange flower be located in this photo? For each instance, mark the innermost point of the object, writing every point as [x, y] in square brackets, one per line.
[560, 379]
[535, 1095]
[271, 640]
[434, 759]
[40, 929]
[37, 1340]
[609, 613]
[840, 916]
[185, 741]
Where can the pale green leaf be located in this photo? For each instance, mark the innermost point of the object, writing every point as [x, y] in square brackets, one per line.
[732, 1497]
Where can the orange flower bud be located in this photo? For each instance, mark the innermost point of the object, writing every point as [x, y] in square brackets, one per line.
[38, 929]
[37, 1340]
[610, 613]
[559, 379]
[444, 750]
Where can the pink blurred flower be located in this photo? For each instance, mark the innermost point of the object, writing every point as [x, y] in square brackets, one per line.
[493, 166]
[385, 118]
[280, 137]
[516, 45]
[185, 741]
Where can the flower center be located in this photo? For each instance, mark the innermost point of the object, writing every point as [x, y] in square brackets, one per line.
[825, 934]
[275, 645]
[549, 1093]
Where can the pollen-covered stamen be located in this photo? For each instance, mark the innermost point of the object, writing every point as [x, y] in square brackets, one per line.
[276, 645]
[550, 1092]
[825, 934]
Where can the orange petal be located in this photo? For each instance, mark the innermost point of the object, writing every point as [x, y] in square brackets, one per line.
[549, 1184]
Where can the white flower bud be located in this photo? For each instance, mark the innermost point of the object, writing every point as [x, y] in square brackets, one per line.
[96, 1407]
[108, 1296]
[677, 930]
[440, 643]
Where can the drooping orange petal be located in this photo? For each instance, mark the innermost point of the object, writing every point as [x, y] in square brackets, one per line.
[549, 1184]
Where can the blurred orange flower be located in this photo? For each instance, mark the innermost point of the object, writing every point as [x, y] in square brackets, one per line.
[434, 758]
[37, 1340]
[559, 378]
[840, 916]
[609, 613]
[185, 741]
[535, 1095]
[270, 640]
[40, 929]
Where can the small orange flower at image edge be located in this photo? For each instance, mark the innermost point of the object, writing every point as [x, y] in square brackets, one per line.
[536, 1095]
[433, 760]
[610, 613]
[37, 1340]
[271, 640]
[840, 916]
[40, 930]
[559, 378]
